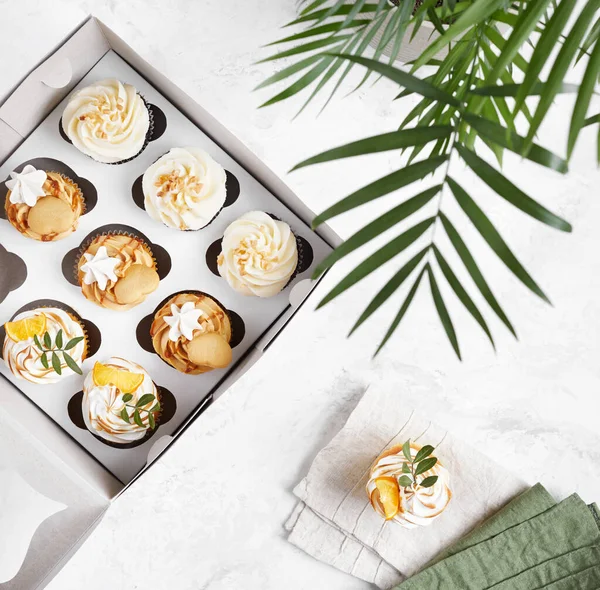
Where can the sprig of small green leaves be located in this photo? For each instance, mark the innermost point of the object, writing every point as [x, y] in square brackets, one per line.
[47, 347]
[137, 417]
[422, 462]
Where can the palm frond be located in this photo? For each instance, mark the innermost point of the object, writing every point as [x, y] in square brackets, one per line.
[480, 85]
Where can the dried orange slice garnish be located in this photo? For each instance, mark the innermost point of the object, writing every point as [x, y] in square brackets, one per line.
[387, 495]
[124, 381]
[27, 328]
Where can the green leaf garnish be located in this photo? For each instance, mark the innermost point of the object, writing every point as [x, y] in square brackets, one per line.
[405, 481]
[151, 421]
[127, 397]
[37, 342]
[155, 407]
[44, 360]
[72, 364]
[423, 453]
[125, 416]
[47, 340]
[59, 339]
[406, 450]
[144, 400]
[425, 465]
[73, 342]
[138, 419]
[56, 365]
[405, 468]
[428, 481]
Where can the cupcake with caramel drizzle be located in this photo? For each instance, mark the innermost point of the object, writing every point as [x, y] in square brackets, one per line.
[117, 271]
[409, 486]
[44, 206]
[191, 332]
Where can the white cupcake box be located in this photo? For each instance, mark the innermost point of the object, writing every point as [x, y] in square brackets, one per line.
[39, 440]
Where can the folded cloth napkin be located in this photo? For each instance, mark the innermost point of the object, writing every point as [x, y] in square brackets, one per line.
[532, 543]
[335, 522]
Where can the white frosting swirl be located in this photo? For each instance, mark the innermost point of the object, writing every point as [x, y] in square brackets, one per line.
[107, 121]
[99, 268]
[183, 321]
[24, 358]
[419, 506]
[26, 187]
[184, 189]
[259, 255]
[102, 405]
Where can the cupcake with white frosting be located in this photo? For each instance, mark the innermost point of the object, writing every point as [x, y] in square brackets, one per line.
[411, 492]
[121, 403]
[108, 121]
[259, 255]
[185, 189]
[44, 345]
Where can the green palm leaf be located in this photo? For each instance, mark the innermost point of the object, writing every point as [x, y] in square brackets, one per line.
[377, 227]
[592, 37]
[561, 65]
[311, 46]
[389, 288]
[381, 187]
[378, 258]
[473, 269]
[584, 97]
[462, 294]
[513, 89]
[514, 142]
[380, 143]
[511, 193]
[405, 79]
[402, 312]
[489, 233]
[323, 29]
[443, 312]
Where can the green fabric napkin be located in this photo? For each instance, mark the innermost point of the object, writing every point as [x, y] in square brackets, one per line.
[532, 543]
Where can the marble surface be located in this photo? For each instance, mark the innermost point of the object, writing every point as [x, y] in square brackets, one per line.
[209, 514]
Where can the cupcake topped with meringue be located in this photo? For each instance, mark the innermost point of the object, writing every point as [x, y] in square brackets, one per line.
[44, 345]
[108, 121]
[259, 255]
[121, 403]
[185, 189]
[409, 486]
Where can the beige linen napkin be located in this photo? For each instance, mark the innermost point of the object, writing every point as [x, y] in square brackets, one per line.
[335, 522]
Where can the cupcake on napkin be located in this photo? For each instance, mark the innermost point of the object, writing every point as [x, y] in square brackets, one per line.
[185, 189]
[117, 271]
[43, 205]
[108, 121]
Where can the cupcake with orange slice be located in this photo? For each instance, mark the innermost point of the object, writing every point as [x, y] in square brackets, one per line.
[409, 486]
[44, 345]
[121, 403]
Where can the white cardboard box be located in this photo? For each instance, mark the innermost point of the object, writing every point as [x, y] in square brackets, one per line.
[30, 442]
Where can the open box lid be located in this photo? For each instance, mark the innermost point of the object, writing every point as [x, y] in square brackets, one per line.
[30, 442]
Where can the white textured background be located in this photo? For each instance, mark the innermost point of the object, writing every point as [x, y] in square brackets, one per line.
[209, 515]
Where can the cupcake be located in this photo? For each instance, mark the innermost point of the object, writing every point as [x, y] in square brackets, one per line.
[117, 271]
[259, 255]
[410, 492]
[192, 332]
[185, 189]
[42, 205]
[108, 121]
[44, 345]
[121, 403]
